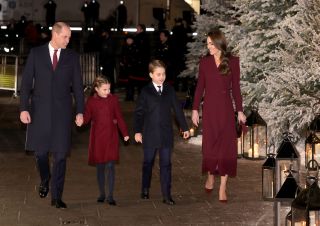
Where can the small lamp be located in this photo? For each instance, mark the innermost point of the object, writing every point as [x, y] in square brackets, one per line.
[305, 207]
[312, 148]
[240, 146]
[287, 157]
[289, 219]
[315, 125]
[268, 178]
[255, 140]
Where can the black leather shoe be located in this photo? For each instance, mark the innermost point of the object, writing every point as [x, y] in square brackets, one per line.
[58, 204]
[101, 199]
[168, 201]
[145, 194]
[111, 202]
[43, 190]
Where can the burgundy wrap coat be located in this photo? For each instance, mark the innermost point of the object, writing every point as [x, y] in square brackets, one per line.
[105, 116]
[219, 147]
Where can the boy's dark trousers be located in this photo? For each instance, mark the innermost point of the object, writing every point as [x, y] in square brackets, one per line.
[165, 169]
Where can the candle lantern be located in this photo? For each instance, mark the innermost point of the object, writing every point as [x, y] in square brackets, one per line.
[289, 219]
[286, 194]
[268, 178]
[255, 140]
[305, 207]
[240, 146]
[315, 126]
[289, 189]
[312, 148]
[193, 131]
[287, 158]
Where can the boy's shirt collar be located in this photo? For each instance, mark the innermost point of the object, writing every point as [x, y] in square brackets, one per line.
[156, 86]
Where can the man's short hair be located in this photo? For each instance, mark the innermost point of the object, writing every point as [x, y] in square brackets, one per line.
[57, 27]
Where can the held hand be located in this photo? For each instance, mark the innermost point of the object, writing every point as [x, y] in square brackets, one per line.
[186, 134]
[138, 137]
[195, 117]
[79, 119]
[25, 117]
[241, 117]
[126, 138]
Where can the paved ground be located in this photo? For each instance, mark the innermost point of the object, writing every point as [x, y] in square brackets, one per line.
[20, 204]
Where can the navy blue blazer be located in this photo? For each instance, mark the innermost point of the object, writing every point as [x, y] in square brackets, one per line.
[153, 116]
[50, 103]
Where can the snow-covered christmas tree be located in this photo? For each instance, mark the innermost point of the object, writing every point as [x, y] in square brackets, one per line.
[259, 19]
[293, 90]
[217, 14]
[278, 42]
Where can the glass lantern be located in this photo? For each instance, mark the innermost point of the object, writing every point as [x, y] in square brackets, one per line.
[289, 189]
[289, 219]
[255, 140]
[240, 146]
[315, 126]
[268, 178]
[286, 194]
[287, 158]
[306, 207]
[193, 131]
[312, 148]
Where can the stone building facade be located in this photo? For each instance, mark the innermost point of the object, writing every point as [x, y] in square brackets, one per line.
[138, 11]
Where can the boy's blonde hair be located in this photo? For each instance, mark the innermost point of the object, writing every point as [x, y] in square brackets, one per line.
[98, 81]
[154, 64]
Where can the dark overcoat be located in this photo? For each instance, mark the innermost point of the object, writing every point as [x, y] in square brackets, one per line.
[153, 116]
[50, 103]
[105, 116]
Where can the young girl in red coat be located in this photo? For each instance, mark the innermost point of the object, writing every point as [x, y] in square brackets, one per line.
[103, 110]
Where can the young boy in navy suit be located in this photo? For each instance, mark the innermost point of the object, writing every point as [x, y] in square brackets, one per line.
[153, 128]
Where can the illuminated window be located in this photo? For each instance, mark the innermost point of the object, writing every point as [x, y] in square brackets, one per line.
[195, 4]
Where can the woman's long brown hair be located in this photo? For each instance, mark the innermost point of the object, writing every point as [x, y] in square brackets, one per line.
[219, 40]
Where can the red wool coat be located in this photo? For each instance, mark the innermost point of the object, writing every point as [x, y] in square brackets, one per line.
[105, 116]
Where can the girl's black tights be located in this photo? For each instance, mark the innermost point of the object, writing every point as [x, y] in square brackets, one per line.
[101, 170]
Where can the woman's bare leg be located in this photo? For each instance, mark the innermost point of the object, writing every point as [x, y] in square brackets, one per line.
[223, 188]
[210, 181]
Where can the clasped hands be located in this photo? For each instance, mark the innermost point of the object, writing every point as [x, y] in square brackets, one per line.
[79, 119]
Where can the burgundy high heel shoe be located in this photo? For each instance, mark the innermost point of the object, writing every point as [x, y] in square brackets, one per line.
[223, 200]
[208, 190]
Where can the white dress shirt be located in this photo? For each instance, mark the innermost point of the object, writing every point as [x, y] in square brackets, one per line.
[51, 51]
[157, 88]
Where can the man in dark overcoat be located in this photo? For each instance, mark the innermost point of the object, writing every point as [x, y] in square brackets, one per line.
[50, 73]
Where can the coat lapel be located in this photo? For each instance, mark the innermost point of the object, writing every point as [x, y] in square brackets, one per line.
[46, 54]
[61, 58]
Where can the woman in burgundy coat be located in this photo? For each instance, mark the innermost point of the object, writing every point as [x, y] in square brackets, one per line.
[103, 110]
[219, 84]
